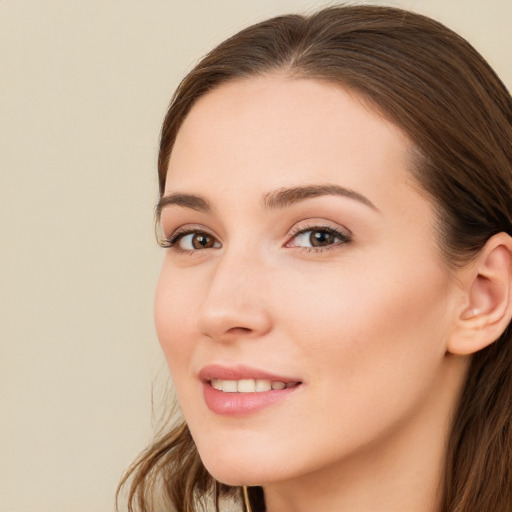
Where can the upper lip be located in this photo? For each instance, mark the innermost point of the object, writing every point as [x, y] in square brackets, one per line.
[239, 372]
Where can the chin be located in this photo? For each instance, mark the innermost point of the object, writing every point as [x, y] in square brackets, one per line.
[240, 467]
[233, 479]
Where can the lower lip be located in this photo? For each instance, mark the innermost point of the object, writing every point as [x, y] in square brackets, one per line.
[241, 404]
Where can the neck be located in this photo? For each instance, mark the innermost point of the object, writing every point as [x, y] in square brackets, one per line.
[400, 472]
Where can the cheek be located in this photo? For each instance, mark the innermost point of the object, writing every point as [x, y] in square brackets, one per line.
[175, 306]
[370, 329]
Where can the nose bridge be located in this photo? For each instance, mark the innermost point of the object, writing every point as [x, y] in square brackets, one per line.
[234, 302]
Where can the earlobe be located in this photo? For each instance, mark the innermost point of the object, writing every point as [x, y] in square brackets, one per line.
[487, 308]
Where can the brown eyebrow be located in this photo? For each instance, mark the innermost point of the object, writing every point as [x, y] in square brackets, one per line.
[187, 200]
[287, 196]
[272, 200]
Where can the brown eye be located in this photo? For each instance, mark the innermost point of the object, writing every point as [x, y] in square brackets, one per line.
[202, 241]
[195, 241]
[321, 238]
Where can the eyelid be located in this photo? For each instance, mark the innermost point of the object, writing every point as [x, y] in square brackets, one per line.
[172, 241]
[343, 233]
[318, 223]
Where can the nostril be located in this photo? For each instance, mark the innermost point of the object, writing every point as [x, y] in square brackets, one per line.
[239, 330]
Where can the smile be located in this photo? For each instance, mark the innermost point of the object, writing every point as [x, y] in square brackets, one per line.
[249, 385]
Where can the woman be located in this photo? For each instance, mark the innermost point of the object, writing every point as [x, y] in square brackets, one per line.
[335, 298]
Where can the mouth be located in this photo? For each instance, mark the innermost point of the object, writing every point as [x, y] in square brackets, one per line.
[241, 391]
[251, 385]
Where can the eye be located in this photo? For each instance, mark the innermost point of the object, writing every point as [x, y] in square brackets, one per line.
[192, 241]
[318, 238]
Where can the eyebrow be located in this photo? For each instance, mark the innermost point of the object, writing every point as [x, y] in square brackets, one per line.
[287, 196]
[180, 199]
[273, 200]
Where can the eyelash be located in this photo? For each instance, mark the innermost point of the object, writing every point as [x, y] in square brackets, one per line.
[343, 238]
[173, 241]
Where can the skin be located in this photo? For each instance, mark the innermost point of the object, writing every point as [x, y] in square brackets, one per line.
[364, 322]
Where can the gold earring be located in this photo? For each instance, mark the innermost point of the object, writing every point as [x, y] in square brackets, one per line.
[245, 495]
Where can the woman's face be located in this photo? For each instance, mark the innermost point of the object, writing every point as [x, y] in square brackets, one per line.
[302, 257]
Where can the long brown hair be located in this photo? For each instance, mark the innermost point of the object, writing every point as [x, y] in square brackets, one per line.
[432, 84]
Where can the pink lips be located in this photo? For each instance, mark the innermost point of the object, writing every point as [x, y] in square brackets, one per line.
[216, 371]
[237, 403]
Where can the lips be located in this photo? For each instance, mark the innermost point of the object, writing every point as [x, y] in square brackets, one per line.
[241, 372]
[241, 390]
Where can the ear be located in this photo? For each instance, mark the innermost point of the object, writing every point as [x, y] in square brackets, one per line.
[486, 308]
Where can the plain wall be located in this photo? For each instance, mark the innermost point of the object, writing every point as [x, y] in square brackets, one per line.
[83, 88]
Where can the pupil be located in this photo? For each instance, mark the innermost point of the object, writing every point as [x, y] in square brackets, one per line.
[202, 241]
[319, 238]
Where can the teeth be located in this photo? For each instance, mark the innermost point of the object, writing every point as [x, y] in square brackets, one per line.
[263, 385]
[229, 386]
[246, 386]
[249, 385]
[216, 384]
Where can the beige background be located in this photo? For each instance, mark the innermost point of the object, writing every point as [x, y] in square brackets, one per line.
[83, 88]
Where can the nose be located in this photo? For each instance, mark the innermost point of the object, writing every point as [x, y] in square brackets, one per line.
[234, 305]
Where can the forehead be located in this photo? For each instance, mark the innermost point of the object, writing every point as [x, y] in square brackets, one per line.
[271, 130]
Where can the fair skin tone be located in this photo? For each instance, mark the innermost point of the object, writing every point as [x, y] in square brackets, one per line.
[338, 285]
